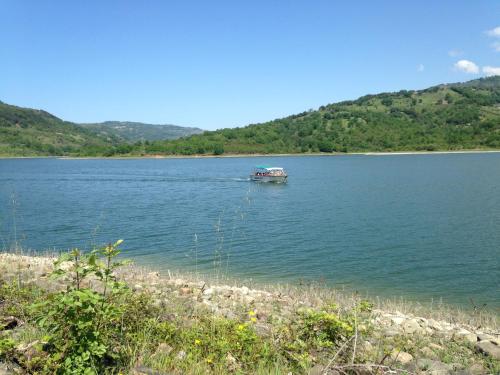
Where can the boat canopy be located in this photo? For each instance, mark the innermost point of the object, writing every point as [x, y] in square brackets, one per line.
[269, 168]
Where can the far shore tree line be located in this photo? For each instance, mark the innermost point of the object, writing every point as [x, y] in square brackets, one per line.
[446, 117]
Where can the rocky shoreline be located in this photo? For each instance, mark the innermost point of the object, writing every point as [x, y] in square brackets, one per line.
[427, 339]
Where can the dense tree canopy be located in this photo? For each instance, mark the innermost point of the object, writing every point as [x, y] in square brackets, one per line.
[445, 117]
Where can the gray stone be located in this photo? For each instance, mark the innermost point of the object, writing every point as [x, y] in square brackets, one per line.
[320, 370]
[434, 346]
[229, 314]
[471, 337]
[317, 370]
[488, 348]
[485, 337]
[10, 322]
[181, 355]
[163, 349]
[477, 369]
[398, 320]
[428, 353]
[390, 332]
[143, 370]
[433, 367]
[411, 326]
[366, 346]
[9, 369]
[263, 329]
[401, 357]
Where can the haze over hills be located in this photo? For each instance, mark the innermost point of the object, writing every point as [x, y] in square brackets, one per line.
[456, 116]
[137, 131]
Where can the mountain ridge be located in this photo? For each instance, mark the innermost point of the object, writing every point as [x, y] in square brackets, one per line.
[452, 116]
[133, 131]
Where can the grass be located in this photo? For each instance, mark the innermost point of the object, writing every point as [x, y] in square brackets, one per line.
[289, 328]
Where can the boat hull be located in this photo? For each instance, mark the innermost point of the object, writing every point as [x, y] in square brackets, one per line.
[271, 179]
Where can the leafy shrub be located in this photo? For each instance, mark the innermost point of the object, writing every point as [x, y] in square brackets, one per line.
[85, 334]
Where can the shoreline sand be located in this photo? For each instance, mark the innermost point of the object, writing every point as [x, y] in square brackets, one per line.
[374, 153]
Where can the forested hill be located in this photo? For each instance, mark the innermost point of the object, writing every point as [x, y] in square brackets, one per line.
[31, 132]
[135, 131]
[445, 117]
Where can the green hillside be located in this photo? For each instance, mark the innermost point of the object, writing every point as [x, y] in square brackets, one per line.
[135, 131]
[445, 117]
[31, 132]
[457, 116]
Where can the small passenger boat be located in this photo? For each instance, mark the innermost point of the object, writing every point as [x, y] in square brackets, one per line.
[263, 173]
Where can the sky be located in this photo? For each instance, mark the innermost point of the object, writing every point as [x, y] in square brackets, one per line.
[215, 64]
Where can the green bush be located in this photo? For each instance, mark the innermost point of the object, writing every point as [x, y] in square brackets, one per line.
[85, 334]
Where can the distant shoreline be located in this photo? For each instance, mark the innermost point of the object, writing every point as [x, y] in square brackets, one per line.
[368, 153]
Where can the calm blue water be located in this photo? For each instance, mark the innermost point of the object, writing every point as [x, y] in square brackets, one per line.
[419, 226]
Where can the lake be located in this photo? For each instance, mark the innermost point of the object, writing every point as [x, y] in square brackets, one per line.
[419, 226]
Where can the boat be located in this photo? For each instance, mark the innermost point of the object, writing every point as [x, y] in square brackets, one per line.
[264, 173]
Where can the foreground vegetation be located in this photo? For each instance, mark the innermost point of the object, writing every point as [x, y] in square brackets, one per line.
[84, 316]
[458, 116]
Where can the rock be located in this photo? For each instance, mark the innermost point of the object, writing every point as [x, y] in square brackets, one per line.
[137, 287]
[433, 367]
[466, 335]
[485, 337]
[496, 341]
[411, 326]
[9, 369]
[428, 353]
[390, 332]
[366, 346]
[163, 349]
[29, 350]
[9, 322]
[143, 370]
[228, 293]
[317, 370]
[263, 329]
[434, 346]
[231, 363]
[248, 299]
[472, 338]
[181, 355]
[489, 349]
[436, 326]
[401, 357]
[244, 290]
[477, 369]
[397, 320]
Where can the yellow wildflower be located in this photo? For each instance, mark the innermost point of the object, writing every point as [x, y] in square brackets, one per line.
[241, 327]
[197, 342]
[209, 360]
[251, 313]
[253, 320]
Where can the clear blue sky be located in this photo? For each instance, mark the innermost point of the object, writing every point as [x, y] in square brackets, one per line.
[215, 64]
